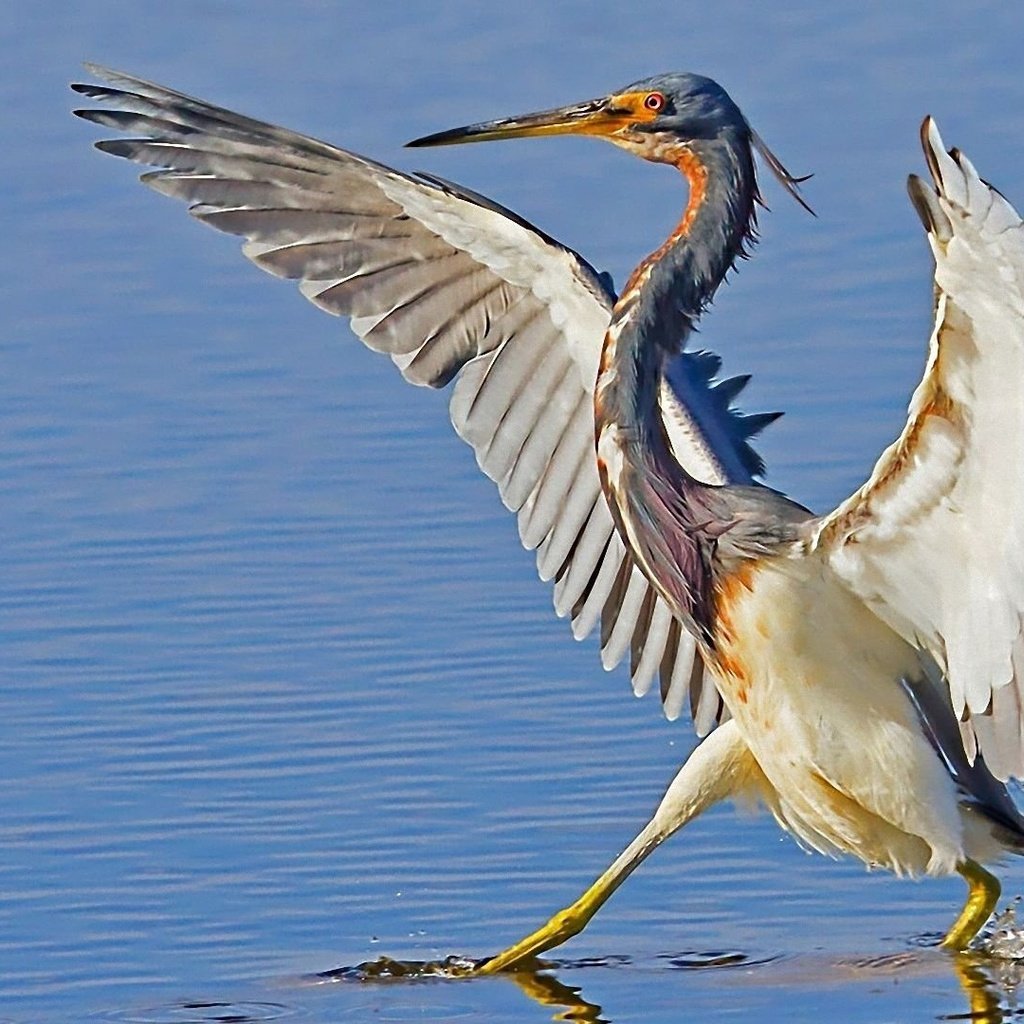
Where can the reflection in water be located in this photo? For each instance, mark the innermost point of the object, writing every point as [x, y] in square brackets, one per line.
[542, 986]
[983, 998]
[989, 983]
[992, 973]
[539, 982]
[546, 990]
[992, 985]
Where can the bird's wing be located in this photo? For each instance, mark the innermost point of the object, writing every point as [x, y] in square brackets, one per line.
[934, 541]
[454, 287]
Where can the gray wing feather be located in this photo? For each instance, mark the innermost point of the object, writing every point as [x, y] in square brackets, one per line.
[453, 287]
[617, 630]
[655, 641]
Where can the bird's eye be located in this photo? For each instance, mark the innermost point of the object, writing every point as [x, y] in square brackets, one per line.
[654, 101]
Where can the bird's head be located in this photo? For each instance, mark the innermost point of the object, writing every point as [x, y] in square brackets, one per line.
[653, 118]
[663, 118]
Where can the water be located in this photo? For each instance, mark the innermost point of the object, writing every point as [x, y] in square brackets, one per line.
[279, 692]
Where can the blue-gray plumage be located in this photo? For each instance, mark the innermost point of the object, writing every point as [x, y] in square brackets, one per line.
[854, 665]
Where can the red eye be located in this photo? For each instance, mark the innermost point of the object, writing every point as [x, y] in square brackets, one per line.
[654, 101]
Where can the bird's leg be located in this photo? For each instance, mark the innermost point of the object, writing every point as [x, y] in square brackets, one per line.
[720, 767]
[573, 919]
[983, 893]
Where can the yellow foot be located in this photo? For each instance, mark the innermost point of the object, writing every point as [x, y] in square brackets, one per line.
[720, 767]
[982, 896]
[575, 917]
[564, 925]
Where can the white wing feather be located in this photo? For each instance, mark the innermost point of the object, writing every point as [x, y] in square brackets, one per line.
[453, 286]
[934, 541]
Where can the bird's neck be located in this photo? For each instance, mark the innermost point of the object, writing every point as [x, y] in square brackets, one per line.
[650, 495]
[669, 290]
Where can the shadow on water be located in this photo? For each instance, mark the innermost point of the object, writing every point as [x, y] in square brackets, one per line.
[540, 983]
[989, 984]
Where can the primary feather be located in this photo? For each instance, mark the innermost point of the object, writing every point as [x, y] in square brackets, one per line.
[934, 541]
[454, 287]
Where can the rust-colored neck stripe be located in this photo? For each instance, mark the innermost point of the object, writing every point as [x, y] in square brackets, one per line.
[696, 173]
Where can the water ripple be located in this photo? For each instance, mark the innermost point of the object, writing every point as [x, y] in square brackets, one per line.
[202, 1012]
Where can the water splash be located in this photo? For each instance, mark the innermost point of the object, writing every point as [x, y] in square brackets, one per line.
[386, 969]
[1003, 939]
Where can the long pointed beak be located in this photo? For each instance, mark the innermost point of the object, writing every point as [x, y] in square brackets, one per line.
[594, 117]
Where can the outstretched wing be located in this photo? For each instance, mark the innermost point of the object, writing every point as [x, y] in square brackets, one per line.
[934, 541]
[454, 287]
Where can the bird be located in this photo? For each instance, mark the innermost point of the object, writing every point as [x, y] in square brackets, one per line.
[858, 673]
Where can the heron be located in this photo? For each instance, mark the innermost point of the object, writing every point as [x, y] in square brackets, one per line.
[858, 673]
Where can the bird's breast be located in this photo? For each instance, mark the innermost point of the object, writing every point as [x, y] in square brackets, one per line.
[789, 638]
[813, 679]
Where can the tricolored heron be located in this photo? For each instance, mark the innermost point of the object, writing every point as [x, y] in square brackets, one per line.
[859, 673]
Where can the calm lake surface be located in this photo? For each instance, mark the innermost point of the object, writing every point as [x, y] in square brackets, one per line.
[279, 690]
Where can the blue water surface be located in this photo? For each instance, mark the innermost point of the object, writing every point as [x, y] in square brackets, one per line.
[279, 690]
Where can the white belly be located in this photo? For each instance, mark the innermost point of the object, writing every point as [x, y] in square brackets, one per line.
[812, 678]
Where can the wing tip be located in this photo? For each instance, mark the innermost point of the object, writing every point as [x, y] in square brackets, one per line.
[925, 201]
[945, 166]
